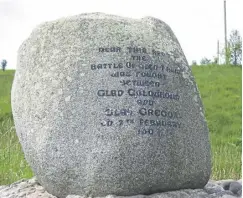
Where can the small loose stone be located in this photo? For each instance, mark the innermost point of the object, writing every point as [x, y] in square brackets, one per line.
[235, 187]
[225, 183]
[215, 189]
[239, 193]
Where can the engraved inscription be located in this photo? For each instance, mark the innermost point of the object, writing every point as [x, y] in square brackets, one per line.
[110, 93]
[139, 92]
[151, 75]
[106, 66]
[159, 113]
[118, 112]
[109, 49]
[140, 83]
[146, 122]
[141, 78]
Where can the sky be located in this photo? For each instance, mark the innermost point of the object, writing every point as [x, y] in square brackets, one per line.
[198, 24]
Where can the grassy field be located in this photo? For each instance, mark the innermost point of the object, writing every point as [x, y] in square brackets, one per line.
[12, 163]
[220, 88]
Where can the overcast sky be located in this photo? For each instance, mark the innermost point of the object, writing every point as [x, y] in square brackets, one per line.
[198, 24]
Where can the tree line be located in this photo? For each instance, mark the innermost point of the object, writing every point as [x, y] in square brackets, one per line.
[3, 64]
[233, 55]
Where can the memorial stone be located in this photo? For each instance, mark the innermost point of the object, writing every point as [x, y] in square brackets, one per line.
[108, 105]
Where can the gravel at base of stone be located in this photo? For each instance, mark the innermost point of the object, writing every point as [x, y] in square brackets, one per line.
[24, 189]
[214, 189]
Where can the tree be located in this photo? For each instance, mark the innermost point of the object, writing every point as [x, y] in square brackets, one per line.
[205, 61]
[215, 60]
[194, 63]
[226, 59]
[3, 64]
[235, 47]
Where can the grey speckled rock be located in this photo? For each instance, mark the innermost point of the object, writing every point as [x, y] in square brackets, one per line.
[108, 105]
[239, 193]
[235, 187]
[213, 187]
[225, 183]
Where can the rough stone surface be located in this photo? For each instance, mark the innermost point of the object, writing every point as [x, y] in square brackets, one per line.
[212, 187]
[230, 185]
[32, 189]
[235, 187]
[239, 193]
[225, 183]
[108, 105]
[24, 189]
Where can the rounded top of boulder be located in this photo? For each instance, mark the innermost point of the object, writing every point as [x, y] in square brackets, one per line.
[101, 15]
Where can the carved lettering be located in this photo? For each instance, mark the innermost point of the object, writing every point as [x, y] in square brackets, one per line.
[109, 49]
[140, 83]
[110, 93]
[137, 50]
[154, 94]
[164, 123]
[106, 66]
[139, 58]
[118, 112]
[159, 113]
[122, 74]
[143, 79]
[151, 75]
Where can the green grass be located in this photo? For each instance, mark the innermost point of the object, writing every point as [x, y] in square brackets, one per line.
[6, 79]
[12, 163]
[220, 88]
